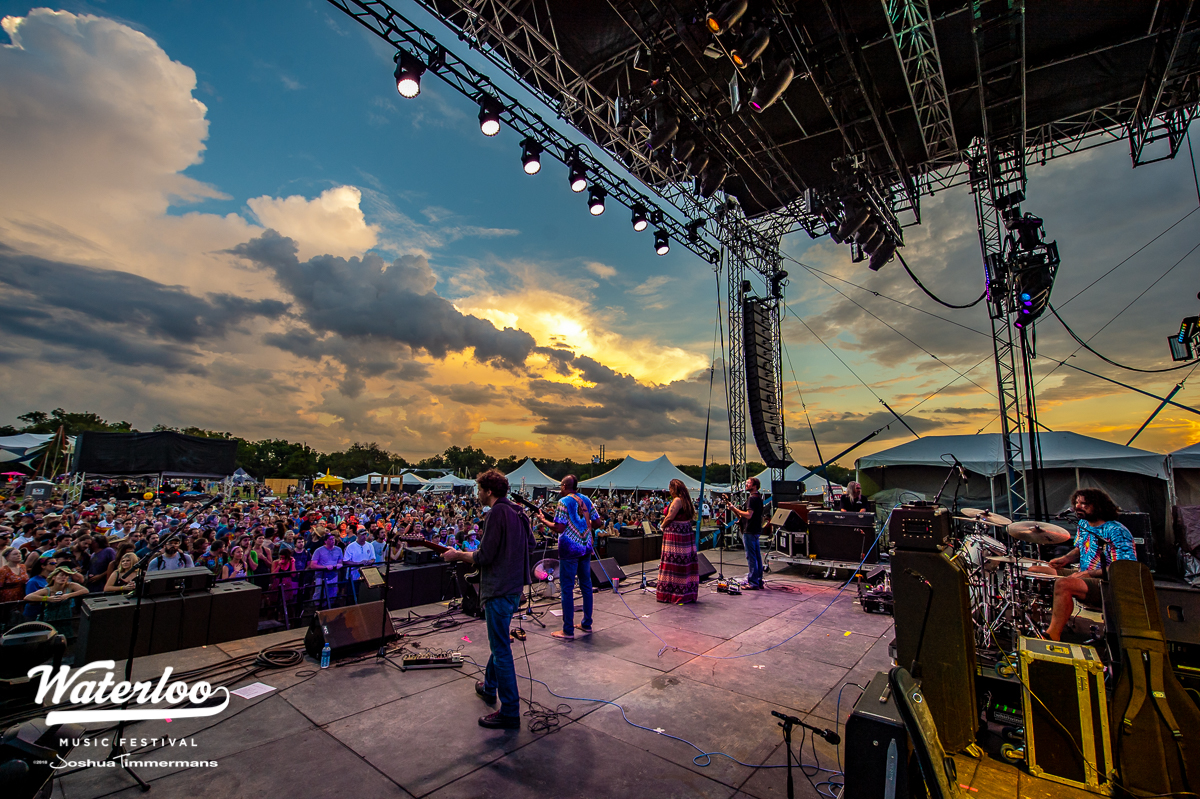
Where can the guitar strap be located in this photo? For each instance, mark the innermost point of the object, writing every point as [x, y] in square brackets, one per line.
[583, 538]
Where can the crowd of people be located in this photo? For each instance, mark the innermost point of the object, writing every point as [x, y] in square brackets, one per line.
[310, 546]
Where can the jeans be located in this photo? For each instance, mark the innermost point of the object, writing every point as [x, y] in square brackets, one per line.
[568, 569]
[500, 677]
[753, 559]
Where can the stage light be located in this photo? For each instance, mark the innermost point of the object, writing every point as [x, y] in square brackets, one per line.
[531, 156]
[578, 177]
[683, 149]
[662, 242]
[693, 229]
[409, 70]
[489, 116]
[749, 50]
[697, 162]
[666, 125]
[726, 16]
[851, 223]
[882, 255]
[772, 86]
[712, 177]
[596, 200]
[639, 217]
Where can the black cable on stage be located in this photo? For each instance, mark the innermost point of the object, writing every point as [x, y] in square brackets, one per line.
[933, 296]
[1105, 358]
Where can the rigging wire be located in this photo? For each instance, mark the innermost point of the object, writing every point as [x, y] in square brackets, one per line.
[933, 296]
[1084, 345]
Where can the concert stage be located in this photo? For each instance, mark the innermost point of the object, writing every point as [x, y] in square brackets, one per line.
[367, 729]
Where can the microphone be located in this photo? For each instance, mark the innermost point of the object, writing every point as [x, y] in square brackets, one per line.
[962, 473]
[831, 736]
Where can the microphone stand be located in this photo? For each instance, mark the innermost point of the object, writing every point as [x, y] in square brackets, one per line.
[787, 723]
[387, 583]
[118, 753]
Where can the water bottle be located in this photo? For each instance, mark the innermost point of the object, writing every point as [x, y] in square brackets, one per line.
[325, 652]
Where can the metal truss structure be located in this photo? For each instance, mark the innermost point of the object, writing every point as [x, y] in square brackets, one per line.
[892, 100]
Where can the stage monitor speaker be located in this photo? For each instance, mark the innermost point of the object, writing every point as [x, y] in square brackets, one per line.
[603, 571]
[786, 491]
[1179, 606]
[789, 521]
[104, 624]
[429, 583]
[354, 628]
[706, 569]
[939, 771]
[233, 614]
[762, 389]
[931, 582]
[175, 582]
[878, 754]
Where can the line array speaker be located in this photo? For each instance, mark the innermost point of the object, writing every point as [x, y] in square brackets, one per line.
[762, 390]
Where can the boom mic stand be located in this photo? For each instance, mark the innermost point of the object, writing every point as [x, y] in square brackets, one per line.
[118, 753]
[787, 723]
[387, 583]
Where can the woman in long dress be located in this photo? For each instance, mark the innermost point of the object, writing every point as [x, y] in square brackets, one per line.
[678, 573]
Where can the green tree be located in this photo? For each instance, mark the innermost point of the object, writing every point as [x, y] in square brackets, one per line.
[72, 423]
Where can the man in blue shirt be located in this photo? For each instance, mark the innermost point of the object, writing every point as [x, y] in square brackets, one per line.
[326, 561]
[574, 521]
[1099, 541]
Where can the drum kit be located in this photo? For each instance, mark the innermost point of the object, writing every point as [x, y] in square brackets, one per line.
[1009, 597]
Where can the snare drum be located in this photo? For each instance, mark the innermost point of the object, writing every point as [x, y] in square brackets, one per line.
[1038, 588]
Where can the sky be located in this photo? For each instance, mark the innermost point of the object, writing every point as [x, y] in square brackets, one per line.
[223, 215]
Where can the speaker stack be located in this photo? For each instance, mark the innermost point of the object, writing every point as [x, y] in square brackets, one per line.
[762, 390]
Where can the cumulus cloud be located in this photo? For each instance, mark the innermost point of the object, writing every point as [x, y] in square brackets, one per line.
[368, 297]
[330, 224]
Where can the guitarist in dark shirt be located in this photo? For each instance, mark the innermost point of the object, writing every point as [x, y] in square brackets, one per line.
[751, 518]
[503, 561]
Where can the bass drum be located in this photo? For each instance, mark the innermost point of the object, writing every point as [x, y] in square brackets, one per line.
[976, 549]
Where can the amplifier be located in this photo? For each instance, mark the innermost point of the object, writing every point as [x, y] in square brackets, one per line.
[837, 535]
[922, 527]
[415, 556]
[1066, 725]
[999, 697]
[878, 754]
[1143, 537]
[787, 519]
[178, 581]
[1179, 606]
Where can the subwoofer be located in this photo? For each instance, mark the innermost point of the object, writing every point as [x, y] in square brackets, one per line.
[354, 628]
[933, 614]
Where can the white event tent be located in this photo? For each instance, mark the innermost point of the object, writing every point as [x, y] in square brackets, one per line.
[447, 482]
[632, 474]
[1185, 469]
[528, 475]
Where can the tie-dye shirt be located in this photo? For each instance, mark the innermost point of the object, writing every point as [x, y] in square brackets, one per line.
[576, 512]
[1113, 537]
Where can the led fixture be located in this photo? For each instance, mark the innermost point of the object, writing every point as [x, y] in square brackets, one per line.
[531, 156]
[748, 51]
[666, 125]
[662, 242]
[726, 16]
[639, 217]
[409, 70]
[489, 116]
[578, 176]
[712, 177]
[772, 86]
[596, 200]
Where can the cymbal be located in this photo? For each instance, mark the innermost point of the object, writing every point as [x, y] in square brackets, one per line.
[1039, 533]
[545, 569]
[985, 516]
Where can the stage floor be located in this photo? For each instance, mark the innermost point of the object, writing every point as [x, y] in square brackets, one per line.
[368, 729]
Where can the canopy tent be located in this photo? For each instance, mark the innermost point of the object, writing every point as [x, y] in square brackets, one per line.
[363, 479]
[447, 482]
[530, 476]
[632, 474]
[23, 449]
[328, 480]
[795, 471]
[1185, 470]
[1134, 478]
[240, 477]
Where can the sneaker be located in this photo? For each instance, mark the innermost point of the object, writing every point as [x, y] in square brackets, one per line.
[495, 721]
[483, 694]
[559, 634]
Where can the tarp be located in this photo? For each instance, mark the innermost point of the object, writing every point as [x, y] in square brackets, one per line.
[984, 454]
[632, 474]
[529, 475]
[138, 453]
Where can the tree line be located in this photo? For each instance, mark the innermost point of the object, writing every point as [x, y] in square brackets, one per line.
[277, 457]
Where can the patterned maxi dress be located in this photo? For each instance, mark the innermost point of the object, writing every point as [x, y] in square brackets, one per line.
[678, 573]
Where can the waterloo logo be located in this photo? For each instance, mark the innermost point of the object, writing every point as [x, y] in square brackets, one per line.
[67, 686]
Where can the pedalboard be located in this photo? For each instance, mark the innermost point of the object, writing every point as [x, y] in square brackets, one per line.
[451, 660]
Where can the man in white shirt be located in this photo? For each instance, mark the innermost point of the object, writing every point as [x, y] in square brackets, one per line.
[170, 558]
[359, 552]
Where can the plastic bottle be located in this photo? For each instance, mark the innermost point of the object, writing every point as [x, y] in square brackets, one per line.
[325, 654]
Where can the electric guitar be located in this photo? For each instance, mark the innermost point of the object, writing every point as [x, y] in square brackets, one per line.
[438, 549]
